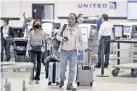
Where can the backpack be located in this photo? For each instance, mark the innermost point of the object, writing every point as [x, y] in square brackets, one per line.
[56, 42]
[36, 42]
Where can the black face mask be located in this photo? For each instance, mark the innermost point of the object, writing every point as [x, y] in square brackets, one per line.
[37, 26]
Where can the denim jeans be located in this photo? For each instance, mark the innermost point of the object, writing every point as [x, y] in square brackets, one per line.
[33, 56]
[65, 57]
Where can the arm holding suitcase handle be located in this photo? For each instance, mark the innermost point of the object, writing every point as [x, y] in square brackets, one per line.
[80, 39]
[87, 67]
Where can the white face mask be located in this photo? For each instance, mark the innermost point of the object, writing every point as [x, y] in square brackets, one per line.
[81, 19]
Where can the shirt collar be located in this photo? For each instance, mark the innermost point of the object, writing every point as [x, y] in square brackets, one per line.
[6, 26]
[72, 27]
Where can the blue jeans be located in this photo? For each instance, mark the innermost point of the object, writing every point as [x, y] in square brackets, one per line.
[66, 56]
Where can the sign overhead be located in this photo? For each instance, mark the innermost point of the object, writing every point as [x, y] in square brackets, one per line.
[93, 7]
[110, 5]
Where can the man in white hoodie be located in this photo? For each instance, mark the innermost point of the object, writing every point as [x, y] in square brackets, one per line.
[70, 38]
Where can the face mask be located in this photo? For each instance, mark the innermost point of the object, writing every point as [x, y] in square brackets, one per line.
[37, 26]
[81, 19]
[71, 23]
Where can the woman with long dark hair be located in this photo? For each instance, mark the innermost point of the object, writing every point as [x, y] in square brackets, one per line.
[36, 45]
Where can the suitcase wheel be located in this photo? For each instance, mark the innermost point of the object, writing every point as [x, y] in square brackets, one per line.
[14, 70]
[49, 83]
[134, 73]
[27, 70]
[78, 83]
[115, 72]
[18, 69]
[57, 83]
[91, 84]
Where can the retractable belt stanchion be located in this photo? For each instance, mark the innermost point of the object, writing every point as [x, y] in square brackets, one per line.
[7, 85]
[102, 61]
[24, 86]
[2, 47]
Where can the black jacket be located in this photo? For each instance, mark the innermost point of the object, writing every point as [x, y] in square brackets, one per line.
[11, 32]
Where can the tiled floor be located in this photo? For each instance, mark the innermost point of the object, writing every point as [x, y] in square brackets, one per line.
[124, 82]
[98, 86]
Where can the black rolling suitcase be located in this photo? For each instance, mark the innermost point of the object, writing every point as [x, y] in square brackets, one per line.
[20, 46]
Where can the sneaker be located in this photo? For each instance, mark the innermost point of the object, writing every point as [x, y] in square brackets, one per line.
[105, 66]
[61, 84]
[98, 66]
[36, 82]
[30, 82]
[70, 87]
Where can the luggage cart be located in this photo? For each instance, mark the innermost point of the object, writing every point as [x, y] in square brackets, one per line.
[132, 66]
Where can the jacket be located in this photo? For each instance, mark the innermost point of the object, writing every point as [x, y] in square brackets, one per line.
[76, 38]
[11, 32]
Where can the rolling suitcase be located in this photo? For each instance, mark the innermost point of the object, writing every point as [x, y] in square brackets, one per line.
[48, 59]
[54, 73]
[20, 46]
[85, 71]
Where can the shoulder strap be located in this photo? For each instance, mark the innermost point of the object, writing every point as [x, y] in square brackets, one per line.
[42, 36]
[30, 30]
[32, 33]
[64, 27]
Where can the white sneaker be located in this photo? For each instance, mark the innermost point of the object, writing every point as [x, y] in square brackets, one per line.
[37, 82]
[31, 82]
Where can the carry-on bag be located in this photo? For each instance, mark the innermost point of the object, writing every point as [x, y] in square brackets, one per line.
[54, 73]
[20, 46]
[84, 75]
[50, 58]
[22, 58]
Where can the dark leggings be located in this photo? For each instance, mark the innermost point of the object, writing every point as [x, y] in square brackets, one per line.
[33, 56]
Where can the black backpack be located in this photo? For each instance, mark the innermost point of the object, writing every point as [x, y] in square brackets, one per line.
[56, 42]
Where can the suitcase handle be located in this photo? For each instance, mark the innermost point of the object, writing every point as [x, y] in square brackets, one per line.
[88, 50]
[86, 68]
[88, 59]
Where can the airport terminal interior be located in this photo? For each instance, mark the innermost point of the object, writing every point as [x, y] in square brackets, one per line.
[68, 45]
